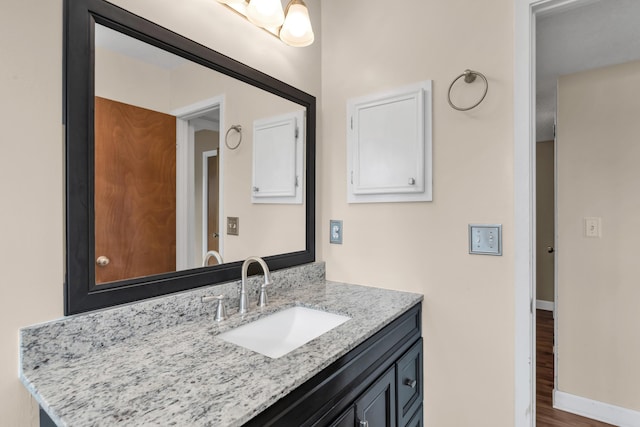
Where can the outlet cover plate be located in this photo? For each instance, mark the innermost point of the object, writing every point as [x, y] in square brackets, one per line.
[335, 231]
[485, 239]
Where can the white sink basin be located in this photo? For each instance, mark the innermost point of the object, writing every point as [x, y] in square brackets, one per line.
[283, 331]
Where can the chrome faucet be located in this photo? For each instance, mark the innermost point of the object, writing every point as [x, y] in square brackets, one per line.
[262, 300]
[209, 255]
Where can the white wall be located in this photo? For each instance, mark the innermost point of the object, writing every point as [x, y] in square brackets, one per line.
[598, 292]
[468, 317]
[32, 235]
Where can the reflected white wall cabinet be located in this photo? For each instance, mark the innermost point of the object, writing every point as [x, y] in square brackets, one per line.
[278, 159]
[389, 146]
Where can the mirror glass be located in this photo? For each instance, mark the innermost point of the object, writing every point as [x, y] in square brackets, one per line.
[171, 164]
[174, 150]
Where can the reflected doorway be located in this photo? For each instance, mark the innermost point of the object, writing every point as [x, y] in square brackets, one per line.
[211, 204]
[199, 174]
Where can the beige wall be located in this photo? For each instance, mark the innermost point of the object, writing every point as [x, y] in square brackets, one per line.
[31, 248]
[31, 255]
[598, 293]
[468, 318]
[545, 220]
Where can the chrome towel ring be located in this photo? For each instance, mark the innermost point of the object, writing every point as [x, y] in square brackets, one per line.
[238, 129]
[469, 77]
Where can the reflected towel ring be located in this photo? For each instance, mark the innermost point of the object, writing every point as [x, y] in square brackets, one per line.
[237, 128]
[469, 77]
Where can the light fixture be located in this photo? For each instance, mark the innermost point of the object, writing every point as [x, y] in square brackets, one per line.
[293, 26]
[265, 13]
[296, 30]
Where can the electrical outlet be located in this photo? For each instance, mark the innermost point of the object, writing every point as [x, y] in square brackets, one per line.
[233, 225]
[335, 231]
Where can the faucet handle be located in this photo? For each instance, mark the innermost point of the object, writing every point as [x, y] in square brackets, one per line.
[221, 310]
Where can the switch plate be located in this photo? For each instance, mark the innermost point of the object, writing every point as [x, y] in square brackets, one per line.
[592, 227]
[233, 225]
[485, 239]
[335, 231]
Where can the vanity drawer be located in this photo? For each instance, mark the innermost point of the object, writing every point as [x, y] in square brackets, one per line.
[409, 383]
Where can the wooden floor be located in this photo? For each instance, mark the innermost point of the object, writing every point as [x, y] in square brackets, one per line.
[546, 415]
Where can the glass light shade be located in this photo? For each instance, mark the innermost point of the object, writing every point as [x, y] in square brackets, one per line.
[265, 13]
[296, 30]
[233, 2]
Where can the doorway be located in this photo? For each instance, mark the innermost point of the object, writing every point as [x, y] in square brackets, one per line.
[529, 15]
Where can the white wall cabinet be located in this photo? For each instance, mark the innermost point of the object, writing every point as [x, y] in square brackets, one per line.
[278, 151]
[389, 146]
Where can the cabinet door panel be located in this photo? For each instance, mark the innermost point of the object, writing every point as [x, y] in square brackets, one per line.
[416, 420]
[348, 419]
[409, 382]
[377, 406]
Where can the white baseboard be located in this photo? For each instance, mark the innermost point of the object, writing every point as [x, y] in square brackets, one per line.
[595, 410]
[545, 305]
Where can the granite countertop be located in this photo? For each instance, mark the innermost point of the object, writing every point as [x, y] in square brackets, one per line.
[143, 365]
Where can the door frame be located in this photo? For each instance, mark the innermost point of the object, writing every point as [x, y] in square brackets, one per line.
[185, 191]
[206, 155]
[524, 200]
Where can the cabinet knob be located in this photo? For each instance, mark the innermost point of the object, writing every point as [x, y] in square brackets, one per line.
[102, 261]
[410, 383]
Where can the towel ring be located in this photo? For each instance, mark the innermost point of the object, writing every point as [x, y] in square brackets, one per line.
[469, 77]
[237, 128]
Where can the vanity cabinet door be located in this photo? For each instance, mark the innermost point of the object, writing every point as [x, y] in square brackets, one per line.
[409, 383]
[348, 419]
[377, 406]
[416, 420]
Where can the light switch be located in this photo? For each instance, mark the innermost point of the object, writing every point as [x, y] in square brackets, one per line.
[485, 239]
[592, 227]
[233, 225]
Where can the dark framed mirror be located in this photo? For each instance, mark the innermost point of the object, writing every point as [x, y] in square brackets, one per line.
[84, 290]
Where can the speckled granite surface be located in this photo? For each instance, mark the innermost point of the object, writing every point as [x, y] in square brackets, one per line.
[159, 362]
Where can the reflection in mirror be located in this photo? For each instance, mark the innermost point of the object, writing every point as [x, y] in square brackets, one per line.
[165, 181]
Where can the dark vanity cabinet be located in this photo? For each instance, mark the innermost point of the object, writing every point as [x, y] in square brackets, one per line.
[377, 384]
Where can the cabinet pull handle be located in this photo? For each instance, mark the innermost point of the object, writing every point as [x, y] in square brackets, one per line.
[364, 423]
[410, 383]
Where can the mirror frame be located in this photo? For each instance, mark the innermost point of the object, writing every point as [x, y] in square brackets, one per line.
[81, 292]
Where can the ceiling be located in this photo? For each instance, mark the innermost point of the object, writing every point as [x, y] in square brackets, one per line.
[586, 35]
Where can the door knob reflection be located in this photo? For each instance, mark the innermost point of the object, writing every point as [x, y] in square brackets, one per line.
[102, 261]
